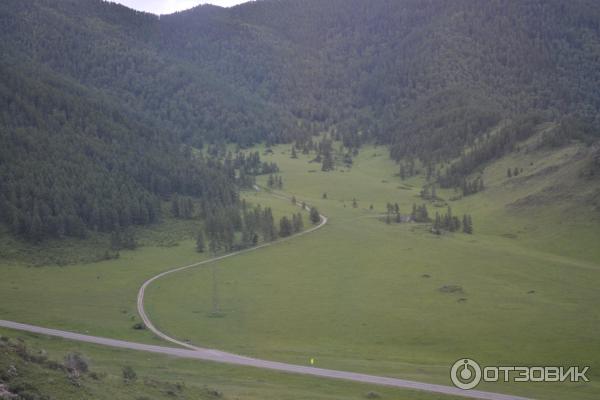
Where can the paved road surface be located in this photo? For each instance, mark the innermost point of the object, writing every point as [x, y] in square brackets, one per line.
[222, 357]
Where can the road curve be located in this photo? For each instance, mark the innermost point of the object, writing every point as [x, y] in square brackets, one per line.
[193, 352]
[230, 358]
[227, 358]
[142, 291]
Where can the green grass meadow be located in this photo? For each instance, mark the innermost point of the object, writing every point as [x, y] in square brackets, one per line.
[357, 295]
[364, 296]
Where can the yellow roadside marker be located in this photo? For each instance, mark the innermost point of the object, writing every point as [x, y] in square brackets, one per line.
[312, 361]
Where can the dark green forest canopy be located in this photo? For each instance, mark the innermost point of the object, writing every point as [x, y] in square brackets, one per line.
[99, 102]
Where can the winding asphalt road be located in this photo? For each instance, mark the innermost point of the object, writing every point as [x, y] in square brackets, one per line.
[199, 353]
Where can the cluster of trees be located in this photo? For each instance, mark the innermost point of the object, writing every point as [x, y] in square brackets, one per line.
[325, 156]
[123, 239]
[571, 127]
[288, 227]
[513, 172]
[328, 163]
[452, 223]
[275, 181]
[393, 213]
[324, 151]
[429, 192]
[419, 213]
[250, 163]
[472, 186]
[239, 228]
[182, 206]
[489, 147]
[407, 168]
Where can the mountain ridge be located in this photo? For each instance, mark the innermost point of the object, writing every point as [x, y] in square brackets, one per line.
[428, 78]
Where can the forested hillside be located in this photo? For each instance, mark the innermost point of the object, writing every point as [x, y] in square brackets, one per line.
[72, 161]
[100, 102]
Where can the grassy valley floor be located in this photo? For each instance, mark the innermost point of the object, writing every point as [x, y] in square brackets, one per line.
[365, 296]
[357, 295]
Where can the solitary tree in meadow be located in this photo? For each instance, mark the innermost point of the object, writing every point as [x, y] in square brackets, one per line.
[315, 217]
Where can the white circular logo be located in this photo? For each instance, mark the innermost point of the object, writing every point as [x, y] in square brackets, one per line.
[465, 374]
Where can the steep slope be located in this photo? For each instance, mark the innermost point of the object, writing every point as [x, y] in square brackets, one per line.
[72, 161]
[428, 78]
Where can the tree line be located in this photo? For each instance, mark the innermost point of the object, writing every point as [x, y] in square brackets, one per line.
[235, 229]
[420, 214]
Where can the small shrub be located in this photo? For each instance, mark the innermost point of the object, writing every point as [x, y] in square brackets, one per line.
[129, 374]
[373, 395]
[214, 393]
[76, 363]
[97, 376]
[138, 326]
[451, 289]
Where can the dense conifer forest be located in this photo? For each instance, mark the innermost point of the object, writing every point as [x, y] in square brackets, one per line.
[106, 112]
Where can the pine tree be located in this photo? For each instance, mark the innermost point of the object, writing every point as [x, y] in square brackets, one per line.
[200, 245]
[297, 222]
[268, 225]
[327, 162]
[437, 225]
[467, 224]
[315, 217]
[424, 213]
[285, 227]
[128, 240]
[115, 240]
[454, 224]
[213, 246]
[175, 206]
[35, 233]
[294, 155]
